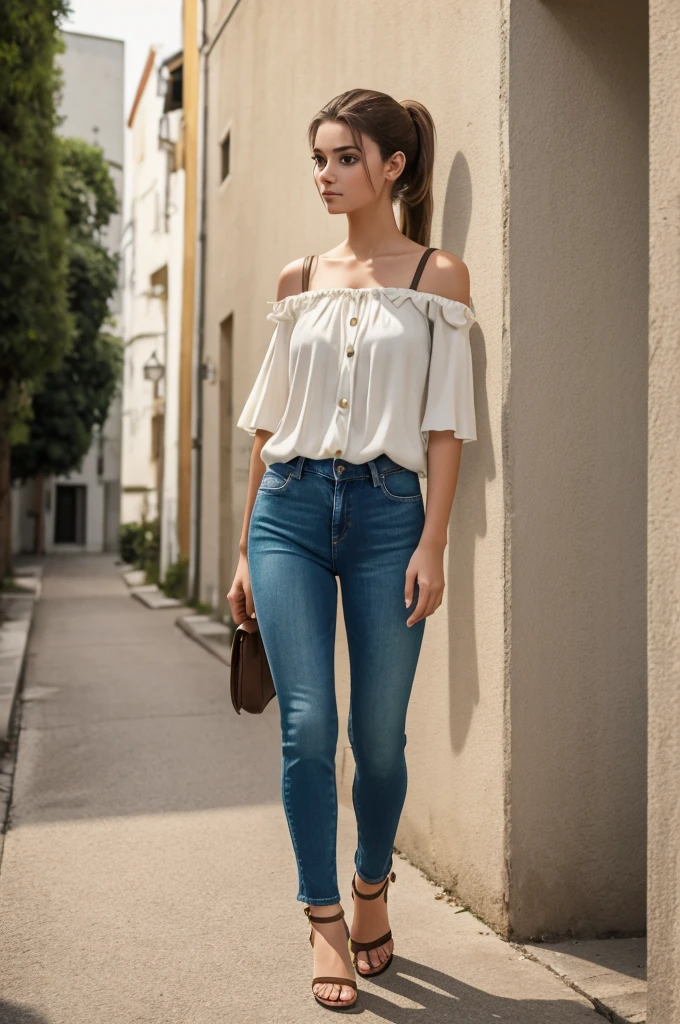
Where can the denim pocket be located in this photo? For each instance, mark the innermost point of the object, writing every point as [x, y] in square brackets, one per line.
[276, 479]
[401, 485]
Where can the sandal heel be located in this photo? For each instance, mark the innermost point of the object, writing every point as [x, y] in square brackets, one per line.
[335, 1004]
[364, 947]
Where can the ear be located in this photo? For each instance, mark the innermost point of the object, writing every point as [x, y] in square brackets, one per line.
[395, 165]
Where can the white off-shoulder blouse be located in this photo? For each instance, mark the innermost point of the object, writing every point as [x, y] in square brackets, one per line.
[354, 372]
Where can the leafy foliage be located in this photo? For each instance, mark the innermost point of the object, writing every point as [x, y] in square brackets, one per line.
[87, 189]
[128, 542]
[176, 582]
[74, 399]
[140, 546]
[35, 328]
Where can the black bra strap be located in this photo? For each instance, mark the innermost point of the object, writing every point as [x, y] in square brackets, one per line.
[421, 266]
[306, 267]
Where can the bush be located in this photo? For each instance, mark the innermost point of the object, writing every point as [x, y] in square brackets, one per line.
[150, 554]
[176, 580]
[128, 542]
[140, 546]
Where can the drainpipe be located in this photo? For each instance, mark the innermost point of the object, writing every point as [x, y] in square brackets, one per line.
[199, 325]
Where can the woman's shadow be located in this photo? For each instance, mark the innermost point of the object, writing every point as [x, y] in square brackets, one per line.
[424, 995]
[14, 1013]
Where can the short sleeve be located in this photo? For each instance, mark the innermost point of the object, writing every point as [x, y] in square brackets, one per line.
[268, 398]
[449, 401]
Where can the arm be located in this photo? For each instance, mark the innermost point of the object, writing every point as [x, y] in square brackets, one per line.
[448, 277]
[240, 595]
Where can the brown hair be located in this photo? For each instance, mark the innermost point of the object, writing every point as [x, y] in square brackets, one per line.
[407, 127]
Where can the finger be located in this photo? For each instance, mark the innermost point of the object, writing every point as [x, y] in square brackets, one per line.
[237, 602]
[249, 604]
[408, 588]
[423, 598]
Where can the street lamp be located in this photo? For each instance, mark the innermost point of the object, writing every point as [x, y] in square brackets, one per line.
[153, 370]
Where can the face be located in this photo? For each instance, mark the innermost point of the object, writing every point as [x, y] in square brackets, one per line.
[339, 169]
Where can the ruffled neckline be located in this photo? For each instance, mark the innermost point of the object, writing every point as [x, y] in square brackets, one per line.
[455, 313]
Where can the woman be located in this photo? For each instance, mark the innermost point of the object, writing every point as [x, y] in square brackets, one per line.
[365, 388]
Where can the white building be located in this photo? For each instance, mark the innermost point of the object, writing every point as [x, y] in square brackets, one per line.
[153, 258]
[81, 510]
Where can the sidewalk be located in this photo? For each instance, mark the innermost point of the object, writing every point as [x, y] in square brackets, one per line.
[148, 874]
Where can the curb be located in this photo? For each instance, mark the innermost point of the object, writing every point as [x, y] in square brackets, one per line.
[209, 633]
[132, 577]
[16, 619]
[153, 597]
[611, 973]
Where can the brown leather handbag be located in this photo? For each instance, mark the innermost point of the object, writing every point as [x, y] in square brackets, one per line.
[252, 686]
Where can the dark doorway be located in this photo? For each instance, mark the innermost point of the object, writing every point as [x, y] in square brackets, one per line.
[70, 514]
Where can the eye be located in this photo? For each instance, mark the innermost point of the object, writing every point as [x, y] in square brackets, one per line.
[345, 156]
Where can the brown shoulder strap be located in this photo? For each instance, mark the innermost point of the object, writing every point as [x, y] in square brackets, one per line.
[306, 268]
[421, 266]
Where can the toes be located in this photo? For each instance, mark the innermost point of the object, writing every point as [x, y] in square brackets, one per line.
[328, 991]
[347, 993]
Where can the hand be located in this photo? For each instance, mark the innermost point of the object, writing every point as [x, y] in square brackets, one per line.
[427, 566]
[240, 597]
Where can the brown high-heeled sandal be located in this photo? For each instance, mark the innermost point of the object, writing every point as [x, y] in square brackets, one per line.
[331, 1004]
[357, 947]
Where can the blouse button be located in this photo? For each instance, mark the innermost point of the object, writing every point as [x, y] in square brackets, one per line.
[353, 322]
[343, 403]
[339, 451]
[350, 351]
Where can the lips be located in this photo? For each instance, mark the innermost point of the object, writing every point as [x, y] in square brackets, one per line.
[330, 193]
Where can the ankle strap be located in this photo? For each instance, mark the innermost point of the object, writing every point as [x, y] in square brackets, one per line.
[373, 895]
[335, 917]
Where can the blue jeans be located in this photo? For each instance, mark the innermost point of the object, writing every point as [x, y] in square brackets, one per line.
[313, 520]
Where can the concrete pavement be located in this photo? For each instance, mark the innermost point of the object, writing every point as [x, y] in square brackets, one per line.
[148, 874]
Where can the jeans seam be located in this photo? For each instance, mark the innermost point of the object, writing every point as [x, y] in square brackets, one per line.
[399, 497]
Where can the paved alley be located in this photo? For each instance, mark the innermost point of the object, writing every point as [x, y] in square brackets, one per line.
[147, 875]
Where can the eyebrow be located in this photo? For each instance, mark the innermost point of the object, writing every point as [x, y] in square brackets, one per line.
[338, 149]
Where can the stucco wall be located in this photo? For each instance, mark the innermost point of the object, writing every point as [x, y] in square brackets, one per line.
[526, 730]
[576, 422]
[268, 213]
[664, 517]
[146, 313]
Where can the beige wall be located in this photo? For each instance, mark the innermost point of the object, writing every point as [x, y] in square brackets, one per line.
[576, 430]
[526, 727]
[268, 214]
[664, 517]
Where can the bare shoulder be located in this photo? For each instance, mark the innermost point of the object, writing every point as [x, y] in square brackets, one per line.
[290, 279]
[446, 275]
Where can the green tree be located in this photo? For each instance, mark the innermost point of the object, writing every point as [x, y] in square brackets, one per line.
[74, 399]
[35, 327]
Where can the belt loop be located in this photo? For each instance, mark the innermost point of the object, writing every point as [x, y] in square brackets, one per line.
[374, 473]
[297, 472]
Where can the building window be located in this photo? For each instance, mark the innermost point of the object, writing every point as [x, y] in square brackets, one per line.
[173, 71]
[157, 428]
[224, 154]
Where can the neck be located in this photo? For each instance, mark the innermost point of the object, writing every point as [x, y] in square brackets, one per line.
[372, 232]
